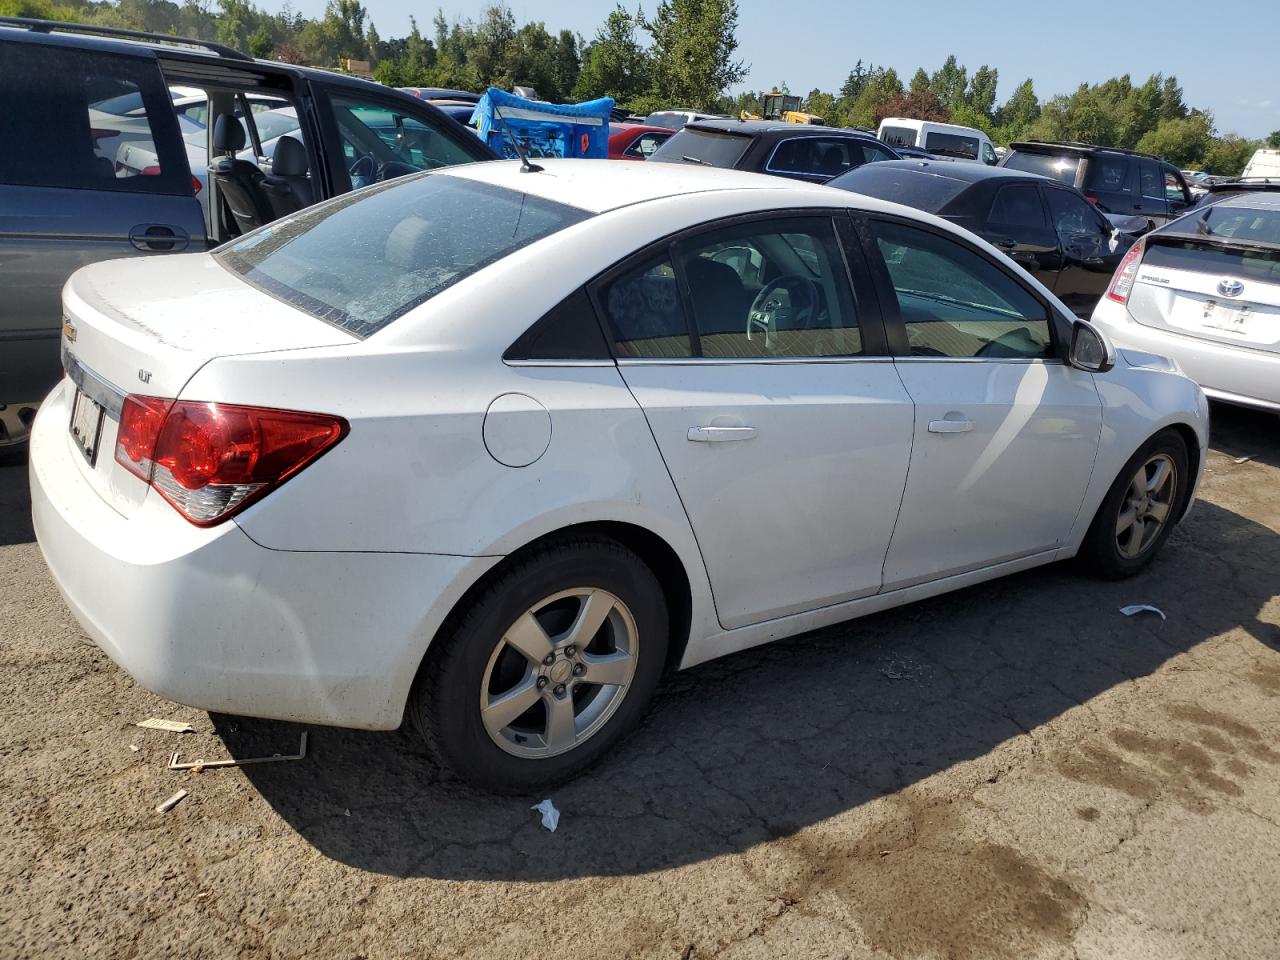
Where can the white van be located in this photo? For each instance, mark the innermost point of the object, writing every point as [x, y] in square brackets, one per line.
[943, 139]
[1265, 163]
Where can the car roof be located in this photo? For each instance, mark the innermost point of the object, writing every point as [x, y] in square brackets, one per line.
[758, 127]
[963, 172]
[1251, 199]
[1074, 146]
[603, 185]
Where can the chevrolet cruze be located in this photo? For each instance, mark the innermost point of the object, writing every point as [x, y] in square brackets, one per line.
[490, 450]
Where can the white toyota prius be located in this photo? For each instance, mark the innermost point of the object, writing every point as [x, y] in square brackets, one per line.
[491, 449]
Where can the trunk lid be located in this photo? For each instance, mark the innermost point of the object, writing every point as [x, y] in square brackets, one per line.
[1210, 288]
[145, 326]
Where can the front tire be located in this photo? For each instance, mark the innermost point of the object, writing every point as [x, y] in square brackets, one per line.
[1139, 510]
[553, 662]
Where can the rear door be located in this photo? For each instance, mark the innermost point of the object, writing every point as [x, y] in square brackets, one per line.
[68, 195]
[766, 384]
[1005, 432]
[1111, 182]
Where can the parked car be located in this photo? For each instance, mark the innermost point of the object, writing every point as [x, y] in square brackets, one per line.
[943, 139]
[1222, 189]
[1118, 181]
[464, 448]
[1046, 227]
[676, 119]
[459, 110]
[1204, 290]
[442, 93]
[1265, 163]
[105, 170]
[629, 141]
[792, 150]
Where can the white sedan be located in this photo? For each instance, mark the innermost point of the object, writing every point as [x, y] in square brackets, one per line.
[490, 449]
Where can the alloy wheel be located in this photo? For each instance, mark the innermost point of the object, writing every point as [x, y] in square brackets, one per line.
[1145, 508]
[558, 673]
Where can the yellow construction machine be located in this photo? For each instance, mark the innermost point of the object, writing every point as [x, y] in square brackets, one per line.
[785, 107]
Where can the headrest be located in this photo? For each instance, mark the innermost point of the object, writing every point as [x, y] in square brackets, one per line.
[228, 134]
[290, 158]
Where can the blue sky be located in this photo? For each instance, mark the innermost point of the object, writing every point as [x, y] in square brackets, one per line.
[814, 43]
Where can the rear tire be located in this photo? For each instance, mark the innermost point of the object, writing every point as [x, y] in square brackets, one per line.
[1139, 510]
[505, 697]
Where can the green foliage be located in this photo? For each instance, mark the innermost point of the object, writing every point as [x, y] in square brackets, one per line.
[949, 82]
[260, 42]
[1183, 141]
[1273, 140]
[693, 46]
[981, 95]
[1227, 155]
[615, 64]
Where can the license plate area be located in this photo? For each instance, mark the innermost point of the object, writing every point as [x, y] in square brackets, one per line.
[86, 426]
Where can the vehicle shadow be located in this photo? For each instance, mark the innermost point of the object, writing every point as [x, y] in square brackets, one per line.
[15, 506]
[764, 743]
[1243, 432]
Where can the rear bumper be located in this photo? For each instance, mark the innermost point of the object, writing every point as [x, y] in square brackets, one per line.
[1232, 374]
[210, 619]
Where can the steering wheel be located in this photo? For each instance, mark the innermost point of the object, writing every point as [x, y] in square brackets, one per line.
[768, 310]
[364, 171]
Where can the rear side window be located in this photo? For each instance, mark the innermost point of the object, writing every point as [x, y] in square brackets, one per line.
[644, 311]
[955, 303]
[898, 136]
[365, 259]
[87, 120]
[1108, 173]
[646, 144]
[952, 145]
[1018, 204]
[817, 157]
[707, 146]
[1057, 167]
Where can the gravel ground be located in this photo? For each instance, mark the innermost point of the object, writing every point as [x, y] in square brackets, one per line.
[1015, 771]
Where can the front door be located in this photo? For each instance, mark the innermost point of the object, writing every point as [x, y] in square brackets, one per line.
[1005, 432]
[785, 427]
[1090, 254]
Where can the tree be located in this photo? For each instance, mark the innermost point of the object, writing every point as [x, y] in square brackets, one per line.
[615, 64]
[1273, 140]
[1019, 112]
[373, 43]
[1227, 155]
[260, 43]
[949, 82]
[981, 95]
[856, 80]
[871, 105]
[920, 81]
[1183, 142]
[916, 104]
[693, 46]
[233, 25]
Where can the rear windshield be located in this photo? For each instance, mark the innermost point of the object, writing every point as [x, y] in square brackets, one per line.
[1226, 240]
[952, 145]
[1058, 167]
[1199, 257]
[367, 258]
[916, 188]
[706, 146]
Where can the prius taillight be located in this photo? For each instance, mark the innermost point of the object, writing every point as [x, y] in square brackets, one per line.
[210, 460]
[1122, 282]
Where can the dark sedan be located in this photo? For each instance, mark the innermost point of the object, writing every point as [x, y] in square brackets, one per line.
[1047, 227]
[798, 151]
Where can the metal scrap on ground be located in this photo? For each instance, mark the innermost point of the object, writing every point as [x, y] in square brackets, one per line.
[1135, 608]
[199, 765]
[171, 802]
[173, 726]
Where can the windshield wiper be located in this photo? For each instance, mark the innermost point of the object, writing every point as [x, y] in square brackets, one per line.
[688, 159]
[1202, 223]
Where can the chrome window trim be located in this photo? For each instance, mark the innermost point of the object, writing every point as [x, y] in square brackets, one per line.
[93, 385]
[1057, 361]
[740, 361]
[558, 363]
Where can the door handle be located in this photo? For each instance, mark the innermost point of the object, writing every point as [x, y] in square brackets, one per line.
[159, 238]
[720, 434]
[950, 426]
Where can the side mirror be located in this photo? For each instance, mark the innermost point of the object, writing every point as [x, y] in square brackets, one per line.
[1090, 350]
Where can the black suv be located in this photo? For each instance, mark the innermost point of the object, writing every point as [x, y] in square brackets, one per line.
[799, 151]
[1117, 181]
[117, 143]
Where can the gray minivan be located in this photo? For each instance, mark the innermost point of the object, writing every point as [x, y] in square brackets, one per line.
[94, 165]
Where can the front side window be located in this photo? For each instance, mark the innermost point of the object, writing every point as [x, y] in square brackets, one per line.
[86, 120]
[380, 141]
[1072, 215]
[956, 303]
[1173, 185]
[365, 259]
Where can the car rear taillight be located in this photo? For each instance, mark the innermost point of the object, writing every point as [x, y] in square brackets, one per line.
[151, 170]
[195, 185]
[211, 460]
[1126, 273]
[1093, 200]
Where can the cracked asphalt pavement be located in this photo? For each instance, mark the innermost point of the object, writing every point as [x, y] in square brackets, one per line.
[1013, 771]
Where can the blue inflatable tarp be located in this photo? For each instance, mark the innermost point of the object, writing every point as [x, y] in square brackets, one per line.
[543, 129]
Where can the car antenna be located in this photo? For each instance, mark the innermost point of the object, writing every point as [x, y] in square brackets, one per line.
[525, 165]
[1202, 223]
